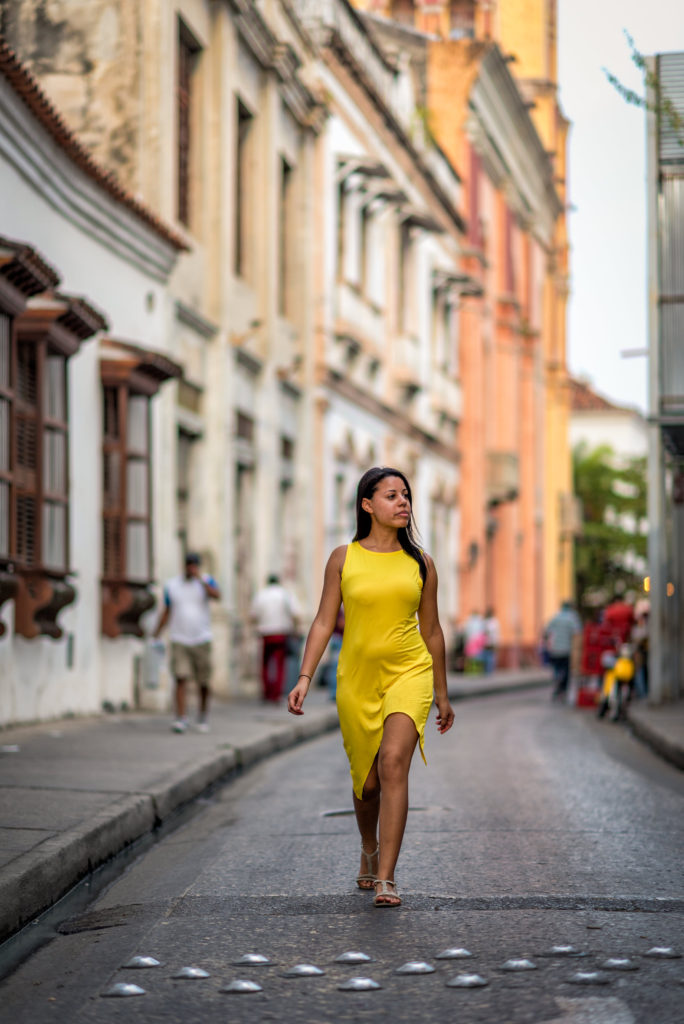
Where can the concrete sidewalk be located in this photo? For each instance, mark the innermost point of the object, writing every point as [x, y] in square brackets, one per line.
[76, 792]
[661, 727]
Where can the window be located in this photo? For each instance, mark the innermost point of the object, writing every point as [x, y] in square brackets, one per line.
[285, 246]
[403, 12]
[126, 486]
[462, 19]
[364, 244]
[341, 229]
[243, 152]
[509, 256]
[131, 376]
[188, 52]
[474, 213]
[39, 330]
[184, 453]
[39, 481]
[406, 285]
[7, 545]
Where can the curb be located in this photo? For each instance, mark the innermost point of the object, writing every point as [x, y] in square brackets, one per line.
[46, 874]
[461, 692]
[662, 746]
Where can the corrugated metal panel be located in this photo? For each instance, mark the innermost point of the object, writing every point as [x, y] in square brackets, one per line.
[672, 357]
[671, 217]
[671, 238]
[671, 139]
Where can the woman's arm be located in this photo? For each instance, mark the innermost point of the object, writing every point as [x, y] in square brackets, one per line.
[321, 629]
[431, 632]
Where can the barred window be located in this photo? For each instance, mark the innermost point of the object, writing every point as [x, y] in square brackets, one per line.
[126, 486]
[6, 397]
[34, 519]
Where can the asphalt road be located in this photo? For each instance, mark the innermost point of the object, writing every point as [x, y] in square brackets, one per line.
[533, 826]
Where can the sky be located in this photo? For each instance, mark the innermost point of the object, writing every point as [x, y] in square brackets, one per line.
[607, 185]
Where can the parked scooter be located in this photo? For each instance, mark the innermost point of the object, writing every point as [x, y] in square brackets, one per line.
[618, 681]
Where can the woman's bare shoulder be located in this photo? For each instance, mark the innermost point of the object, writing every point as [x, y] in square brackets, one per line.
[337, 557]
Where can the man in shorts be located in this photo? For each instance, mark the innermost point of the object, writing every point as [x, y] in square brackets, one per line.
[186, 610]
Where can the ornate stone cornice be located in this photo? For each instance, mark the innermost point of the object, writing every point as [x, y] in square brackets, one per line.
[400, 424]
[275, 55]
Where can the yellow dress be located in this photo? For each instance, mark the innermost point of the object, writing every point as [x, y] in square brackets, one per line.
[384, 665]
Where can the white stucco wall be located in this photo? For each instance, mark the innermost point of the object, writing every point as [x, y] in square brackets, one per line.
[625, 430]
[107, 255]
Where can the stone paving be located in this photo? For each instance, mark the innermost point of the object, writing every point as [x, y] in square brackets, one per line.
[74, 793]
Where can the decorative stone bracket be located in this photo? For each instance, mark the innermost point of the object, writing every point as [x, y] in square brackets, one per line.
[39, 600]
[123, 605]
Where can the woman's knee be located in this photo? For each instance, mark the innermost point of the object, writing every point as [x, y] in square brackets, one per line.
[393, 765]
[371, 791]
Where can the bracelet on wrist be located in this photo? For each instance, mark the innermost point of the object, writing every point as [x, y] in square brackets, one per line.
[303, 675]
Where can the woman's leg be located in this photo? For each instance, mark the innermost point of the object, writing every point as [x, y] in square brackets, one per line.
[366, 811]
[394, 760]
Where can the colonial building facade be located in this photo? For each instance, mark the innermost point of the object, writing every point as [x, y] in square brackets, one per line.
[84, 322]
[488, 72]
[336, 281]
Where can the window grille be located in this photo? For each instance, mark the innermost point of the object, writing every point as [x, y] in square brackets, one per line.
[127, 545]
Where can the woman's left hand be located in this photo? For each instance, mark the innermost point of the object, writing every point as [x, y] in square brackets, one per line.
[445, 715]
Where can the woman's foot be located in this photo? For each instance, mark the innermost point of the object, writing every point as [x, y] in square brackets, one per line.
[386, 894]
[369, 868]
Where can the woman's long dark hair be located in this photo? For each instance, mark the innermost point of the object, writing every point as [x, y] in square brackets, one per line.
[367, 486]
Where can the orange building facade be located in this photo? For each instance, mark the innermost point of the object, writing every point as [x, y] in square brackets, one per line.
[491, 104]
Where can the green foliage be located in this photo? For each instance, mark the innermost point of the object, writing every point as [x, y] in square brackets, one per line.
[661, 105]
[613, 496]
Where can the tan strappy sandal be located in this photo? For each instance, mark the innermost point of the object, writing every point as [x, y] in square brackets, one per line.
[384, 896]
[366, 881]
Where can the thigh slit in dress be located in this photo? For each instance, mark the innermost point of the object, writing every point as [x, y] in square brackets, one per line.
[384, 665]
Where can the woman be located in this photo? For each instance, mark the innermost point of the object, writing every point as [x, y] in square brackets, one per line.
[387, 668]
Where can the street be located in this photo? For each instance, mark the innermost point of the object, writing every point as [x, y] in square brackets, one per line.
[533, 826]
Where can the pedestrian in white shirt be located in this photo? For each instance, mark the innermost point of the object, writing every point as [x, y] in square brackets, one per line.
[492, 635]
[274, 612]
[186, 610]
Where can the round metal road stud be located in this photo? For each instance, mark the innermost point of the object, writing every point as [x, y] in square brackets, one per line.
[252, 960]
[358, 985]
[303, 971]
[142, 961]
[665, 952]
[457, 953]
[352, 957]
[415, 967]
[191, 973]
[562, 951]
[589, 978]
[519, 965]
[124, 988]
[467, 981]
[619, 963]
[241, 985]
